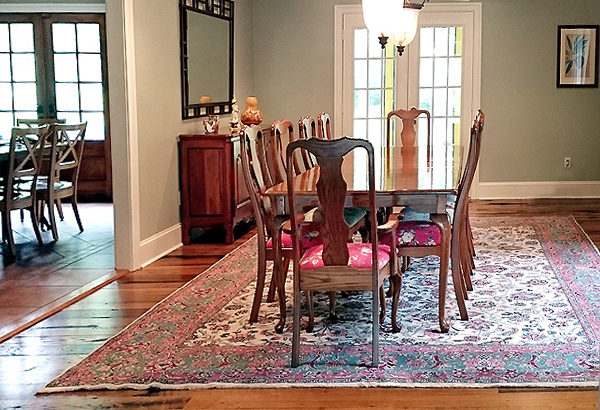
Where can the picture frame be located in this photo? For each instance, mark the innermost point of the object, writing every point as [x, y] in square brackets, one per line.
[577, 56]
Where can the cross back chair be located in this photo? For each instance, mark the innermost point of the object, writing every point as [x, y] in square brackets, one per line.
[324, 126]
[336, 264]
[61, 179]
[408, 133]
[20, 179]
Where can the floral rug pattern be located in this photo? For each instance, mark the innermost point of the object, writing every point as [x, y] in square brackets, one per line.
[534, 320]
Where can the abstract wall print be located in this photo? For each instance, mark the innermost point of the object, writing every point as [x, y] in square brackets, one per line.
[577, 60]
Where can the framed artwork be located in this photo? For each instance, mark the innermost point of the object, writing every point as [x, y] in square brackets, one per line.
[577, 56]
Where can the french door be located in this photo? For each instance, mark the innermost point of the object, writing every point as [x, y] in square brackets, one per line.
[54, 66]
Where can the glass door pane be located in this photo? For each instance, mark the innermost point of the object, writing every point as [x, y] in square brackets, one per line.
[18, 89]
[78, 76]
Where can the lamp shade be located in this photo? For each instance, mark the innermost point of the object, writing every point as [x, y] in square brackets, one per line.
[379, 15]
[404, 27]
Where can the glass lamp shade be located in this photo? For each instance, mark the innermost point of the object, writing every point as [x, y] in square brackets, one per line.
[379, 15]
[404, 28]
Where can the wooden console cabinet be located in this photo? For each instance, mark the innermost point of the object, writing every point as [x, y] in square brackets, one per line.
[213, 192]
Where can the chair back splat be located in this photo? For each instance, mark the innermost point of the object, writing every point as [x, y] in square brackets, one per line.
[408, 133]
[307, 129]
[335, 264]
[324, 127]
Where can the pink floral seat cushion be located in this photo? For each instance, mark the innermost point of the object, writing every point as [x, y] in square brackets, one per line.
[360, 256]
[416, 233]
[308, 240]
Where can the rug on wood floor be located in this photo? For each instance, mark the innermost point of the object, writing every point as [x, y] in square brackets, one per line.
[534, 321]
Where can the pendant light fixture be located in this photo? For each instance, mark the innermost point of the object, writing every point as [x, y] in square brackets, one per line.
[395, 20]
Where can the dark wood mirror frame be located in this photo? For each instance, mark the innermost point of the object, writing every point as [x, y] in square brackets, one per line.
[220, 9]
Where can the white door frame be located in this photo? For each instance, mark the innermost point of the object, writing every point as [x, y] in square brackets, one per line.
[343, 12]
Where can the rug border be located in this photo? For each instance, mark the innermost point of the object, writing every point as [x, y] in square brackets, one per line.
[249, 243]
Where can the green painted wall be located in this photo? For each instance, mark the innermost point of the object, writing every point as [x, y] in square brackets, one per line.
[530, 124]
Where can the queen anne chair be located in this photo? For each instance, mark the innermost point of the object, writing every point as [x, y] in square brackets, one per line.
[337, 264]
[307, 128]
[20, 179]
[436, 236]
[408, 132]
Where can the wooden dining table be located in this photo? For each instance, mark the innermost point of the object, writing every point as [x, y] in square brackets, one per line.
[421, 178]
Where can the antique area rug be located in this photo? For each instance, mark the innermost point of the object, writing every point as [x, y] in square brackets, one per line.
[534, 321]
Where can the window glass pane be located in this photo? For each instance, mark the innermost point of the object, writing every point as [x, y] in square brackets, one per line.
[95, 125]
[360, 129]
[5, 67]
[6, 125]
[21, 37]
[360, 103]
[453, 130]
[374, 73]
[375, 131]
[360, 43]
[454, 102]
[360, 74]
[425, 96]
[440, 96]
[455, 72]
[426, 40]
[426, 72]
[441, 72]
[90, 67]
[389, 100]
[63, 37]
[458, 41]
[88, 38]
[25, 96]
[439, 134]
[390, 73]
[91, 97]
[374, 109]
[375, 50]
[65, 67]
[67, 97]
[422, 125]
[69, 117]
[5, 97]
[23, 67]
[4, 44]
[441, 41]
[25, 115]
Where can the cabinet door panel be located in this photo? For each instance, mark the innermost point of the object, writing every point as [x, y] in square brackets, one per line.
[206, 176]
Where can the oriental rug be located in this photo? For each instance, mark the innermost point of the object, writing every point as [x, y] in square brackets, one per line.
[534, 320]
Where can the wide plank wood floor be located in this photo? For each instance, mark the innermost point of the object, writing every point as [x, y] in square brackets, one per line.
[35, 356]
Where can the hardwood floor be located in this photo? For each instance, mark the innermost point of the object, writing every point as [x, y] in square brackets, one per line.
[41, 280]
[35, 356]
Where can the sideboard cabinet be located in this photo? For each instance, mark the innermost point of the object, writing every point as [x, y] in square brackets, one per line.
[213, 192]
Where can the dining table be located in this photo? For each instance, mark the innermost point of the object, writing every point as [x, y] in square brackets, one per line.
[422, 178]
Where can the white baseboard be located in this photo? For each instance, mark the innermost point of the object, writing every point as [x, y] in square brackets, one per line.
[545, 189]
[160, 244]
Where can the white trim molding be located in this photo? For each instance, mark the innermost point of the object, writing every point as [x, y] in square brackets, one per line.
[160, 244]
[52, 8]
[541, 189]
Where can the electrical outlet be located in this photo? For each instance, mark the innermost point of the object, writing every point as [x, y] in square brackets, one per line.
[567, 162]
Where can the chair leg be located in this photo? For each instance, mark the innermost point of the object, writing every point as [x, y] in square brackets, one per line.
[260, 283]
[396, 287]
[311, 311]
[296, 327]
[443, 284]
[52, 219]
[382, 303]
[36, 225]
[76, 212]
[59, 208]
[280, 275]
[333, 317]
[375, 328]
[7, 229]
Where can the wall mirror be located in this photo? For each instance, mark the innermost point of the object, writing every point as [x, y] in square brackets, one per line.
[206, 57]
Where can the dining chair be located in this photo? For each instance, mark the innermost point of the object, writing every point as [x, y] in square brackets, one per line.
[60, 180]
[408, 132]
[438, 236]
[324, 126]
[20, 178]
[337, 264]
[273, 244]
